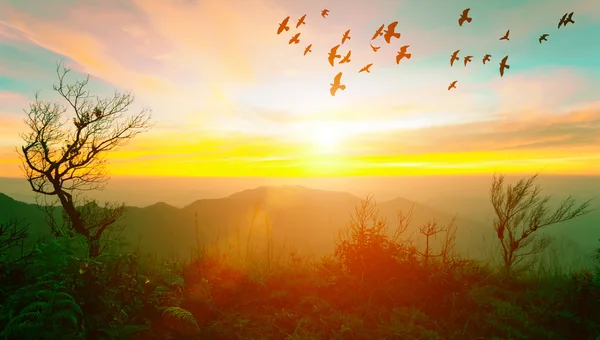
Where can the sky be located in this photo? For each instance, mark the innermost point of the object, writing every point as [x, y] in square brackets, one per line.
[230, 97]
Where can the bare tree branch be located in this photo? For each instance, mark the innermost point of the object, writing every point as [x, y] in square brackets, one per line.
[521, 211]
[62, 157]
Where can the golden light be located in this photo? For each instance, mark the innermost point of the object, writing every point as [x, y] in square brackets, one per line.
[326, 138]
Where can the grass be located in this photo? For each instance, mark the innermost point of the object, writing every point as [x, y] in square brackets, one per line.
[375, 285]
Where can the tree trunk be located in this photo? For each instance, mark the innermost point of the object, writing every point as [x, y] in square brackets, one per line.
[93, 248]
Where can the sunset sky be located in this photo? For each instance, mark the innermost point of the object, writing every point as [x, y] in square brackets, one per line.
[230, 97]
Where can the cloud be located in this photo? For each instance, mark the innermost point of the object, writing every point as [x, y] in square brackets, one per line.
[575, 131]
[73, 38]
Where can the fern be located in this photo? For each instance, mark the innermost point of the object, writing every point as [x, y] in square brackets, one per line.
[53, 315]
[185, 321]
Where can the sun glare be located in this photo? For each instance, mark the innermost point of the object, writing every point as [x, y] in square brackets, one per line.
[326, 138]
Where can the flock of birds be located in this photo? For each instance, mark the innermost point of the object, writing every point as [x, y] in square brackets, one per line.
[390, 33]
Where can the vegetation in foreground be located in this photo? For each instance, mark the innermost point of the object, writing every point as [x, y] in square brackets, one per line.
[376, 285]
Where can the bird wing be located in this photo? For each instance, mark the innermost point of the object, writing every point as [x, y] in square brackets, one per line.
[466, 12]
[332, 90]
[392, 26]
[337, 78]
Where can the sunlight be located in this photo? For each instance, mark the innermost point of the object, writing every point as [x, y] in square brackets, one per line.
[326, 138]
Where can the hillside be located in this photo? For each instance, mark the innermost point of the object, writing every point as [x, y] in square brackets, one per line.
[304, 218]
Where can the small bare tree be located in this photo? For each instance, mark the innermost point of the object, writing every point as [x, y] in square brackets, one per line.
[61, 159]
[520, 212]
[446, 252]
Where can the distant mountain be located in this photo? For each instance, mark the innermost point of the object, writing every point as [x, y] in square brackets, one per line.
[294, 216]
[304, 218]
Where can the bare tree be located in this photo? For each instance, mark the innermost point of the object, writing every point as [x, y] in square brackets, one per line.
[13, 234]
[446, 252]
[62, 158]
[520, 212]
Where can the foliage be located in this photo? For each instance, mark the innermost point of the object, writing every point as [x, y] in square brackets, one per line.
[111, 296]
[376, 285]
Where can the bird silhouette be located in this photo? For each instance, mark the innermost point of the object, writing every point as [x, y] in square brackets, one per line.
[379, 32]
[543, 37]
[375, 48]
[295, 39]
[346, 36]
[464, 17]
[301, 21]
[567, 18]
[336, 84]
[505, 37]
[389, 33]
[486, 58]
[346, 58]
[452, 85]
[366, 68]
[402, 54]
[333, 54]
[283, 25]
[307, 49]
[324, 13]
[504, 65]
[454, 57]
[468, 59]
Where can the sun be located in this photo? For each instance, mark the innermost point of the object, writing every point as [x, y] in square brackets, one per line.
[326, 138]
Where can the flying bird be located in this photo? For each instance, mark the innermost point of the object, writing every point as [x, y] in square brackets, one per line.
[389, 33]
[375, 48]
[504, 65]
[295, 39]
[301, 21]
[366, 68]
[307, 49]
[346, 36]
[283, 25]
[336, 84]
[324, 13]
[505, 37]
[464, 17]
[567, 18]
[468, 59]
[486, 58]
[452, 85]
[454, 57]
[402, 54]
[346, 58]
[543, 37]
[379, 32]
[333, 54]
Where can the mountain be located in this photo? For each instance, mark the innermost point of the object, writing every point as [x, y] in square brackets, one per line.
[300, 217]
[292, 216]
